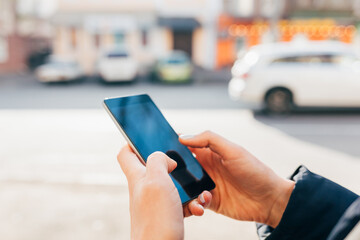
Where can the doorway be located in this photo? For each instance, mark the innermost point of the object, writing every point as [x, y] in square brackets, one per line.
[183, 41]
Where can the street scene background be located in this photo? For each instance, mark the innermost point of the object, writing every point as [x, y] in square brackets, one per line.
[59, 177]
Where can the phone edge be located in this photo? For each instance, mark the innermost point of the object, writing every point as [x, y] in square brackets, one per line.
[123, 132]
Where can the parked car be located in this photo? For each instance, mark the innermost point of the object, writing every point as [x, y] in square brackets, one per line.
[117, 65]
[176, 67]
[282, 76]
[59, 70]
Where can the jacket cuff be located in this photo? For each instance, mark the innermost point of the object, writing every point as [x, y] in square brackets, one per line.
[314, 207]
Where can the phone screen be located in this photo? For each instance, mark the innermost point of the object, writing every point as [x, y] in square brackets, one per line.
[148, 131]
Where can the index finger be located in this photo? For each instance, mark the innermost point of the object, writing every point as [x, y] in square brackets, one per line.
[216, 143]
[130, 163]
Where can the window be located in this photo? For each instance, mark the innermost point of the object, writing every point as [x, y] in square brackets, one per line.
[307, 59]
[73, 37]
[117, 55]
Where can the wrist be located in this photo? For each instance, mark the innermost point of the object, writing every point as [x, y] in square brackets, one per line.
[281, 198]
[165, 235]
[156, 231]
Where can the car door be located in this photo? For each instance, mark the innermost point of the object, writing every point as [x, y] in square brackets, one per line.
[348, 88]
[312, 78]
[318, 80]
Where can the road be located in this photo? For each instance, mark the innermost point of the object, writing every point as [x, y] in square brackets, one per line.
[334, 130]
[337, 131]
[24, 91]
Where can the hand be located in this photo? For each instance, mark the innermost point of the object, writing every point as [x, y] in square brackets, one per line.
[155, 206]
[246, 189]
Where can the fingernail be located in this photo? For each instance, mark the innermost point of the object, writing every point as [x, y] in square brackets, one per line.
[202, 207]
[186, 136]
[202, 199]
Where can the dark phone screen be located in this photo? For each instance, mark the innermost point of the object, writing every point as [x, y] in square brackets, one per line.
[149, 131]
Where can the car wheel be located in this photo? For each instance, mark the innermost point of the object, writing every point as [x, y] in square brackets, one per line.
[279, 101]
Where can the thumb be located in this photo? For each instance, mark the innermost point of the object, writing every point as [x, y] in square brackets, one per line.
[215, 142]
[159, 163]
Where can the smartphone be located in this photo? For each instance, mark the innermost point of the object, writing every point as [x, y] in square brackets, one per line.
[147, 131]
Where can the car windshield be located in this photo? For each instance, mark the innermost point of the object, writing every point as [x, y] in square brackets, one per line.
[117, 55]
[58, 64]
[175, 60]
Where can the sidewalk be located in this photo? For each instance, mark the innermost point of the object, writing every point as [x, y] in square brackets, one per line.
[59, 178]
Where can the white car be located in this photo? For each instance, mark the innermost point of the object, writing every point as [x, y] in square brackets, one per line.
[117, 66]
[281, 76]
[56, 70]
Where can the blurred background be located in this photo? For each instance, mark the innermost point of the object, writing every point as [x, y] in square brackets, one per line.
[280, 77]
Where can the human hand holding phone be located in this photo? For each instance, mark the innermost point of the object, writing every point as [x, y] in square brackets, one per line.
[155, 206]
[147, 131]
[246, 188]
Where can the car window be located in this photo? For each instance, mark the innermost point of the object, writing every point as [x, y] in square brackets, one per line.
[177, 61]
[60, 64]
[174, 60]
[117, 55]
[307, 59]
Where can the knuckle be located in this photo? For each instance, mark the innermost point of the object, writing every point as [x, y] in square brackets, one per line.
[208, 133]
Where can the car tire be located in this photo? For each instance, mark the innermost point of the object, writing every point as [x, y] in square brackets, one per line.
[279, 101]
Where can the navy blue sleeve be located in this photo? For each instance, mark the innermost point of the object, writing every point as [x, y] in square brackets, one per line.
[347, 222]
[315, 206]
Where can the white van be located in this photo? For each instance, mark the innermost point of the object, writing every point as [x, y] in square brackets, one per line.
[117, 65]
[281, 76]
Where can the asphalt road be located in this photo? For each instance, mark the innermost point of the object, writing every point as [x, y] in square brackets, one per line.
[339, 131]
[335, 130]
[25, 92]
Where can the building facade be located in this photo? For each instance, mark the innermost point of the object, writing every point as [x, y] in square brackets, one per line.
[86, 28]
[11, 58]
[22, 32]
[191, 26]
[148, 29]
[245, 23]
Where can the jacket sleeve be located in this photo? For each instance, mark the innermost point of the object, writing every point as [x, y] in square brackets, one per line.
[315, 206]
[347, 222]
